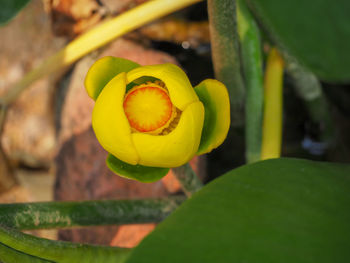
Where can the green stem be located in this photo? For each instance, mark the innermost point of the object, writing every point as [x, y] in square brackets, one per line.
[310, 91]
[86, 213]
[187, 178]
[59, 251]
[249, 36]
[224, 44]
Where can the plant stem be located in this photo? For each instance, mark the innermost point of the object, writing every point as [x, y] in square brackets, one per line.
[45, 215]
[272, 123]
[59, 251]
[98, 37]
[224, 44]
[187, 178]
[310, 91]
[249, 36]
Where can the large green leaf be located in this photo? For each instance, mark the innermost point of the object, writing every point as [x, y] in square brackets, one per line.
[281, 210]
[316, 32]
[9, 255]
[9, 8]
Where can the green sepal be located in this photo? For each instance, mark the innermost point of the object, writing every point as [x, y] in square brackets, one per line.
[214, 96]
[102, 71]
[144, 174]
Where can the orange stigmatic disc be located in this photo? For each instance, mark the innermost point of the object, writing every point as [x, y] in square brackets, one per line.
[148, 108]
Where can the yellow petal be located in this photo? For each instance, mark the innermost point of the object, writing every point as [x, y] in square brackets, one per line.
[213, 94]
[110, 124]
[180, 89]
[175, 148]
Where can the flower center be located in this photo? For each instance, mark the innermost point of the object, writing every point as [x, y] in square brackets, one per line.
[149, 108]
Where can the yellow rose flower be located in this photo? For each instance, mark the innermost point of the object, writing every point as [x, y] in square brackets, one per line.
[150, 118]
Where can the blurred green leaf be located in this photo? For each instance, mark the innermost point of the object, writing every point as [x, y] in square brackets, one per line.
[279, 210]
[137, 172]
[10, 8]
[316, 32]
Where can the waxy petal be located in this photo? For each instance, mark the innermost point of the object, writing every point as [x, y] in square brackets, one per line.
[102, 71]
[110, 124]
[180, 89]
[214, 96]
[175, 148]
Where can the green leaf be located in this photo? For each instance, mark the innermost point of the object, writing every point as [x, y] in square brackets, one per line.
[103, 70]
[10, 8]
[9, 255]
[279, 210]
[137, 172]
[316, 32]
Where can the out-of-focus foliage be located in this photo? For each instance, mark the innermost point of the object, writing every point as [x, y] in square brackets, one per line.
[9, 8]
[316, 32]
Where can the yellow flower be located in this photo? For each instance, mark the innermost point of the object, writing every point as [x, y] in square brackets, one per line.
[152, 117]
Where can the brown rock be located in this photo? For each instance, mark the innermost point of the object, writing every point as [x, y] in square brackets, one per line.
[72, 17]
[83, 175]
[26, 41]
[116, 7]
[7, 178]
[17, 194]
[29, 134]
